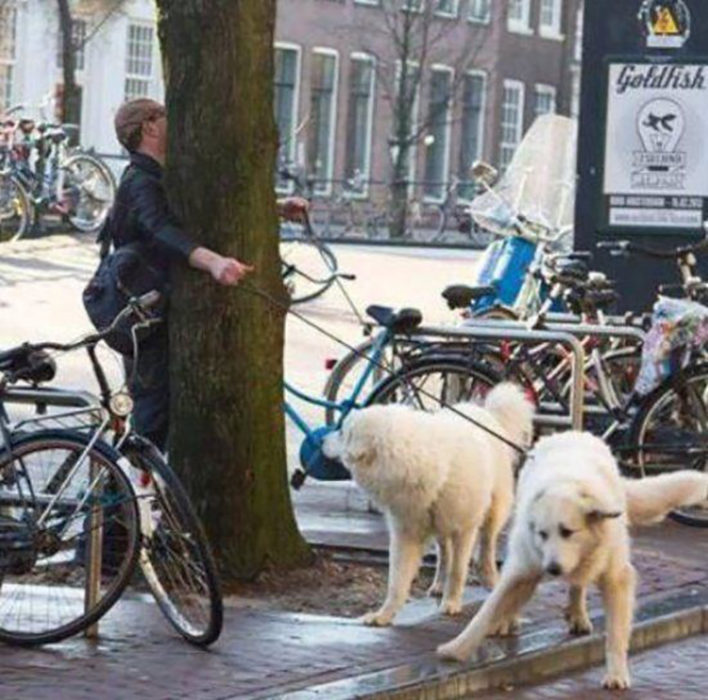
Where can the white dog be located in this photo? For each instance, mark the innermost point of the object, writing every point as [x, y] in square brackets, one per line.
[571, 520]
[436, 474]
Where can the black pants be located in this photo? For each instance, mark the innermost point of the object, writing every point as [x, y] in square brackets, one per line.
[150, 388]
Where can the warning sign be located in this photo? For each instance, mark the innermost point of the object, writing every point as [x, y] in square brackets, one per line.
[666, 23]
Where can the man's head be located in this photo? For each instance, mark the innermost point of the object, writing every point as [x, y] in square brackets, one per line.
[141, 126]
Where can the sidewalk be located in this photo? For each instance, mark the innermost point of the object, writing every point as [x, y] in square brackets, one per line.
[266, 654]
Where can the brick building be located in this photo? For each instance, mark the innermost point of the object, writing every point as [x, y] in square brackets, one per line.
[334, 108]
[500, 61]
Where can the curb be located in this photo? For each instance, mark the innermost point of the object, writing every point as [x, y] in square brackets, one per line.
[431, 679]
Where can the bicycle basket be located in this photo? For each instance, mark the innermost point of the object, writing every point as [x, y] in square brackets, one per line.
[314, 462]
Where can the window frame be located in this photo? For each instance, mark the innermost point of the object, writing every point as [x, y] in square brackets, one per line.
[328, 51]
[551, 31]
[79, 52]
[9, 62]
[450, 70]
[292, 149]
[149, 80]
[479, 19]
[475, 72]
[451, 14]
[364, 193]
[511, 83]
[522, 25]
[548, 90]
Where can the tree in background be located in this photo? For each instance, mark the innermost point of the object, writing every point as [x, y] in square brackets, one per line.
[406, 38]
[226, 345]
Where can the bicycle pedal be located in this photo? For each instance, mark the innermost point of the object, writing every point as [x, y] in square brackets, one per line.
[298, 479]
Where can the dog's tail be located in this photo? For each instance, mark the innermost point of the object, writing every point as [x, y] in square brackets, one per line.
[649, 500]
[508, 403]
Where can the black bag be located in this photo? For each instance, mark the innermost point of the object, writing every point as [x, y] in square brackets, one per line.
[122, 274]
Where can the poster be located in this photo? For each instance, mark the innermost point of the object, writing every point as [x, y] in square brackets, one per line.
[656, 146]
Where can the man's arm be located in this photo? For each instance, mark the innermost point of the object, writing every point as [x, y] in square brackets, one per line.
[227, 271]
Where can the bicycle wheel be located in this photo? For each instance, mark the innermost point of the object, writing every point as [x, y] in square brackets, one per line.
[175, 556]
[14, 209]
[309, 268]
[670, 432]
[88, 192]
[60, 503]
[430, 382]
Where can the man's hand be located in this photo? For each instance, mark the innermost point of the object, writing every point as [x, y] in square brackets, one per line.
[229, 271]
[293, 208]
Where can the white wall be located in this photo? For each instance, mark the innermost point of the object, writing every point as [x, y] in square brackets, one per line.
[103, 78]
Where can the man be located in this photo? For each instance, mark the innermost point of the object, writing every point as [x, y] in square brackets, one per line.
[141, 213]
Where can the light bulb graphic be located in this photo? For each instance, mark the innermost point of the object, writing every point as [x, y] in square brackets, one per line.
[661, 125]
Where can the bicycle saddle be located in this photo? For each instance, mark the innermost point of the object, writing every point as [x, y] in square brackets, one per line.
[571, 270]
[23, 363]
[460, 296]
[400, 321]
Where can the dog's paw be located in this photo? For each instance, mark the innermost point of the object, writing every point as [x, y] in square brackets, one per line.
[507, 628]
[436, 590]
[616, 680]
[579, 625]
[450, 607]
[451, 651]
[376, 619]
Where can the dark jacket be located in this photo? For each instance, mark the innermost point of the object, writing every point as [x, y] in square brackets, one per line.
[141, 213]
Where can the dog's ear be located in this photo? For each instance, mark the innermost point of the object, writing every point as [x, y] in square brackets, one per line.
[598, 509]
[358, 448]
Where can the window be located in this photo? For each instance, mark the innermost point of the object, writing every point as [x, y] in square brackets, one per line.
[8, 36]
[78, 40]
[480, 10]
[323, 104]
[550, 18]
[446, 8]
[139, 61]
[287, 71]
[412, 5]
[366, 2]
[545, 100]
[437, 141]
[360, 113]
[512, 120]
[471, 141]
[412, 93]
[518, 16]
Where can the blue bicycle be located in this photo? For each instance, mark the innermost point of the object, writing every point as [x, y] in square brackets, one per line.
[400, 366]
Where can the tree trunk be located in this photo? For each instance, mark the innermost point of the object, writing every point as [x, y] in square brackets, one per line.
[71, 98]
[227, 438]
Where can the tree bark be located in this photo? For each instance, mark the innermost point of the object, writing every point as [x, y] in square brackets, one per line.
[71, 100]
[227, 438]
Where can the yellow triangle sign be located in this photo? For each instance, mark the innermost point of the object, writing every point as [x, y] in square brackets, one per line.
[665, 22]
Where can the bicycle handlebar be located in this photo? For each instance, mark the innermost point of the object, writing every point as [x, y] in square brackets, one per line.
[138, 305]
[618, 248]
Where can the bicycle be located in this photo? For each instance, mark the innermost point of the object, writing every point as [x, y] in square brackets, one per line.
[45, 177]
[426, 381]
[76, 508]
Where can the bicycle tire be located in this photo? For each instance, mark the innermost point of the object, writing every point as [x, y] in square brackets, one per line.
[429, 367]
[91, 225]
[128, 530]
[639, 428]
[17, 198]
[171, 588]
[320, 285]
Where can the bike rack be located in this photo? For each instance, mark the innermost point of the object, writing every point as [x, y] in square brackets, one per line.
[82, 401]
[488, 329]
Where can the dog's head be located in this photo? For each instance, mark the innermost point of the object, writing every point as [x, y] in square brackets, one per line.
[567, 524]
[354, 444]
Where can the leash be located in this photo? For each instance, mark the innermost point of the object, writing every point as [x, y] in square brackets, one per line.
[256, 291]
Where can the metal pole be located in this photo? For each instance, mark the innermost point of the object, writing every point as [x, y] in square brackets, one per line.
[94, 556]
[513, 330]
